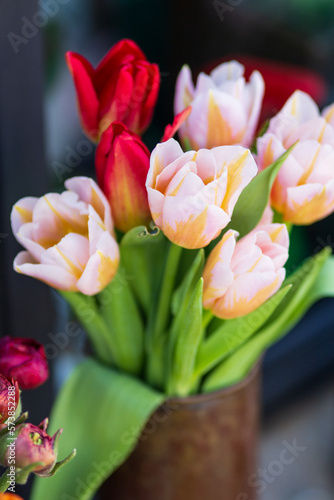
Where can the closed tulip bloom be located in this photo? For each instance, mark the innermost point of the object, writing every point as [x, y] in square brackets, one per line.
[225, 109]
[122, 162]
[303, 191]
[240, 276]
[123, 87]
[23, 360]
[192, 195]
[68, 237]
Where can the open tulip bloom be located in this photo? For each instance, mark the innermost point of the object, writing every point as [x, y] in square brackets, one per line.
[171, 251]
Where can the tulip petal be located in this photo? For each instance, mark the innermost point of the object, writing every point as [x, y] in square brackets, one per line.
[247, 293]
[217, 274]
[25, 236]
[101, 266]
[54, 276]
[254, 93]
[89, 192]
[328, 114]
[298, 109]
[188, 224]
[184, 91]
[241, 169]
[162, 155]
[216, 119]
[124, 49]
[83, 75]
[309, 203]
[22, 212]
[231, 70]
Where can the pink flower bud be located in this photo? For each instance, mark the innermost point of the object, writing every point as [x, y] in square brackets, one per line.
[9, 398]
[23, 360]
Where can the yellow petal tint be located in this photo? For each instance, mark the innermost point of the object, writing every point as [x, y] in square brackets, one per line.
[189, 233]
[235, 173]
[312, 210]
[219, 131]
[106, 270]
[243, 305]
[308, 171]
[25, 214]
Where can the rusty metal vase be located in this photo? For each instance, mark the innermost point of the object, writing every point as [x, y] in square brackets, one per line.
[201, 447]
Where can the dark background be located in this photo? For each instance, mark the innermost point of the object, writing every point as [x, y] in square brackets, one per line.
[38, 125]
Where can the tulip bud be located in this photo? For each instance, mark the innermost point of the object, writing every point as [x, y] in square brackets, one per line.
[122, 162]
[9, 398]
[35, 451]
[123, 87]
[23, 360]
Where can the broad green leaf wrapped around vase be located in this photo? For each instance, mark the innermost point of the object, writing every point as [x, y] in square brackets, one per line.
[103, 412]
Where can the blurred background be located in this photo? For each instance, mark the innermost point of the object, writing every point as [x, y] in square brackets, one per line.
[41, 144]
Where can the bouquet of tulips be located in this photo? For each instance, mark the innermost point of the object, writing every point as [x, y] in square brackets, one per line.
[173, 261]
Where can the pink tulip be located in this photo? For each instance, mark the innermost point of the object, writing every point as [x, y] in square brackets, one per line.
[68, 237]
[192, 195]
[240, 276]
[225, 109]
[304, 188]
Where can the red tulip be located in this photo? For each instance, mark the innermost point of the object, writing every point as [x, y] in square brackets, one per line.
[123, 87]
[9, 398]
[23, 360]
[122, 162]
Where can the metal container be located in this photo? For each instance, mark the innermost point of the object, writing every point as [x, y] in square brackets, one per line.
[202, 447]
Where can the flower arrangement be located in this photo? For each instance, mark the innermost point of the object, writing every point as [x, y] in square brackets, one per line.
[172, 253]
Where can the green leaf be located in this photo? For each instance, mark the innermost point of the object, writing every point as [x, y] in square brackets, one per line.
[254, 198]
[303, 293]
[102, 413]
[189, 282]
[233, 333]
[142, 255]
[86, 310]
[121, 315]
[188, 333]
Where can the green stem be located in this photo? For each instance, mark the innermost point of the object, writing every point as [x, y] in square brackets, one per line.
[167, 287]
[207, 317]
[159, 315]
[85, 309]
[4, 482]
